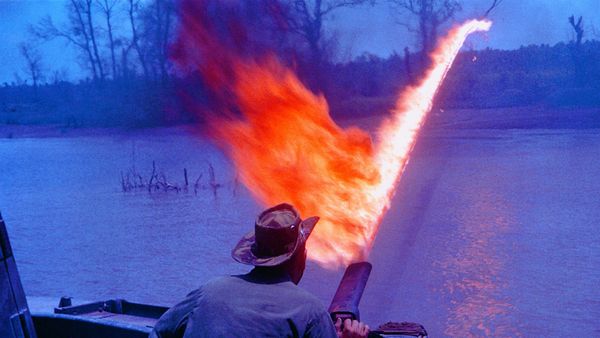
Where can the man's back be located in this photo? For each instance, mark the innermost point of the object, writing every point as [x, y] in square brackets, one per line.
[258, 304]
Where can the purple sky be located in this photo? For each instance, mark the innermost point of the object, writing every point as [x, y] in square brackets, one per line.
[362, 29]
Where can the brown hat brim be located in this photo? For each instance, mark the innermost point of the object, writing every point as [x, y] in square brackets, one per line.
[244, 254]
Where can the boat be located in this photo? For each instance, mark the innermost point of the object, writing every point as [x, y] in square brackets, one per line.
[31, 317]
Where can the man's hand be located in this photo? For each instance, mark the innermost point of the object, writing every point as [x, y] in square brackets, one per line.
[352, 329]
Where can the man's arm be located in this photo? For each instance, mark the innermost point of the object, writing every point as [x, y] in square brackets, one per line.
[172, 324]
[321, 326]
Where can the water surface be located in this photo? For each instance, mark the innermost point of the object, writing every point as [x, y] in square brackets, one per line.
[491, 232]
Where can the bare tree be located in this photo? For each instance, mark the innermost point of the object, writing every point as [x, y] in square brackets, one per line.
[594, 31]
[86, 8]
[59, 75]
[165, 11]
[158, 26]
[579, 74]
[495, 4]
[407, 64]
[578, 27]
[430, 15]
[133, 12]
[306, 18]
[33, 60]
[125, 70]
[78, 32]
[107, 7]
[18, 80]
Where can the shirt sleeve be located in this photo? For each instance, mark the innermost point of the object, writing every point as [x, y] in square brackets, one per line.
[321, 326]
[172, 324]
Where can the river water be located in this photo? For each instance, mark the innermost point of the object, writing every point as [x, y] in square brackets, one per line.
[491, 232]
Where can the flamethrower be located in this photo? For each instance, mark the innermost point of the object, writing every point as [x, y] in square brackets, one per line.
[344, 304]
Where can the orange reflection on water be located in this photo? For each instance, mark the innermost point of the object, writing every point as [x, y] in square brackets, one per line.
[473, 275]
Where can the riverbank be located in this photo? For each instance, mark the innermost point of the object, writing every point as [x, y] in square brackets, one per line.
[55, 130]
[534, 117]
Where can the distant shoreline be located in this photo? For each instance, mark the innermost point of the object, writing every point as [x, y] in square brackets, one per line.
[533, 117]
[530, 117]
[55, 131]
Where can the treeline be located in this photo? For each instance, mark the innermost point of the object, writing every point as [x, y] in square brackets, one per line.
[131, 81]
[553, 76]
[561, 75]
[128, 103]
[541, 75]
[114, 39]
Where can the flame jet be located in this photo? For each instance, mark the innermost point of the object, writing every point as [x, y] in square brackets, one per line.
[398, 135]
[287, 148]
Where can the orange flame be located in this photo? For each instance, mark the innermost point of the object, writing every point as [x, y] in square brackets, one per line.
[288, 149]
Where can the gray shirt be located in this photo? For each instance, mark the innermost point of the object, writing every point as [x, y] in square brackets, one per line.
[252, 305]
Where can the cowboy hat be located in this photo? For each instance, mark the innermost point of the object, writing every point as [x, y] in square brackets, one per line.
[278, 233]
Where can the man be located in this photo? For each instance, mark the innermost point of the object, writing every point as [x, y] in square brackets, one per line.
[265, 302]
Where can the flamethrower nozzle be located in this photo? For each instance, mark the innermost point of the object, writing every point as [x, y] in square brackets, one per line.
[347, 297]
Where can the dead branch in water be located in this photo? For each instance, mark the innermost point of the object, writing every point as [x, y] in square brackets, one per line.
[152, 176]
[197, 184]
[213, 182]
[157, 181]
[185, 178]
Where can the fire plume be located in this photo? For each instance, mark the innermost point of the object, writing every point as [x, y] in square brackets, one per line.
[287, 148]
